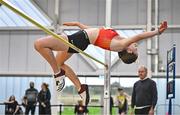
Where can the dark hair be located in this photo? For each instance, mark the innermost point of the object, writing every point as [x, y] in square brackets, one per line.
[12, 96]
[46, 85]
[31, 84]
[120, 89]
[126, 57]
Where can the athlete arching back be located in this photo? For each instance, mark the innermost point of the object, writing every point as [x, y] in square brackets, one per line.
[105, 38]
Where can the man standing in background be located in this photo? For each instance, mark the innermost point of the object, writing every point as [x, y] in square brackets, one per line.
[144, 96]
[31, 95]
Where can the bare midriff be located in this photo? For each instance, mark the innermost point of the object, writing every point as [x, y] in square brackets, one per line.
[92, 34]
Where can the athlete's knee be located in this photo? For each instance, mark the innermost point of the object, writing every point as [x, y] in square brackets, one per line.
[62, 65]
[38, 44]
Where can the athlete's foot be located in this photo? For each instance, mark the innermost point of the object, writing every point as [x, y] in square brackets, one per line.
[60, 80]
[84, 94]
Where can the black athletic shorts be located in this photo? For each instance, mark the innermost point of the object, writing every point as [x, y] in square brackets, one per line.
[79, 39]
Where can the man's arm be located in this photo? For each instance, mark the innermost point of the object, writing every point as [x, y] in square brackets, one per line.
[154, 98]
[154, 95]
[78, 24]
[133, 97]
[26, 92]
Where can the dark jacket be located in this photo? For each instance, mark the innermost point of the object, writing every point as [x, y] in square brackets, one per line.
[44, 98]
[31, 95]
[144, 93]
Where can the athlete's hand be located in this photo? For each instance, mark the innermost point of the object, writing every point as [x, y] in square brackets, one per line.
[162, 27]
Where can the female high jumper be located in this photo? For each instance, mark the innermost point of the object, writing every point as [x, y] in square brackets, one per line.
[105, 38]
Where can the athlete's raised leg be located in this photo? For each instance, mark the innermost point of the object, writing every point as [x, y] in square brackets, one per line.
[46, 45]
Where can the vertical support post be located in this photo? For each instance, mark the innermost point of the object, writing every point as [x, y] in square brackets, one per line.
[156, 40]
[108, 62]
[56, 96]
[60, 109]
[171, 76]
[57, 15]
[149, 25]
[174, 72]
[107, 84]
[170, 107]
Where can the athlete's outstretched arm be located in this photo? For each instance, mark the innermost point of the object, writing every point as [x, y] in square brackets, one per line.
[145, 35]
[80, 25]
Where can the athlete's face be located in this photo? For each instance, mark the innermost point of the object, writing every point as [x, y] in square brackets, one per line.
[132, 48]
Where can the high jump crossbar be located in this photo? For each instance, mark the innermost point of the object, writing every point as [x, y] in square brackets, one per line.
[19, 12]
